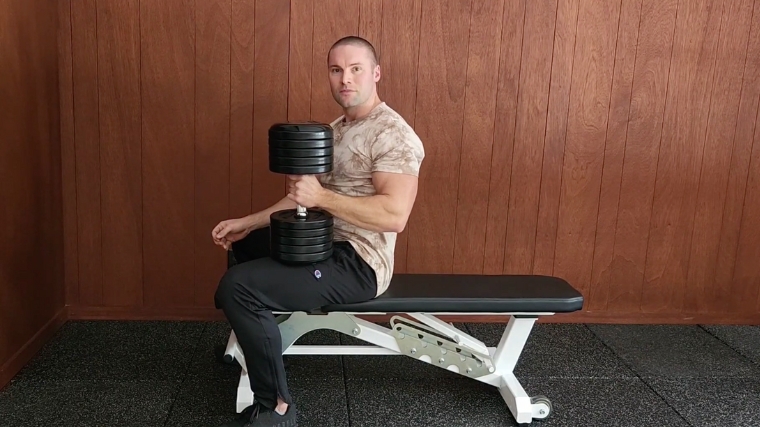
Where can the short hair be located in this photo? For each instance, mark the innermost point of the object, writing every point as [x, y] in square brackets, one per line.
[356, 41]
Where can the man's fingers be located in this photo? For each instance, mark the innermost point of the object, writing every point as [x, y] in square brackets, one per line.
[222, 231]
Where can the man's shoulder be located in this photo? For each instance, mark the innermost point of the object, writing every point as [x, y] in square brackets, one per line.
[392, 128]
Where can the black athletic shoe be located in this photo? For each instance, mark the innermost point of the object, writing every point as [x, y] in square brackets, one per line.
[258, 415]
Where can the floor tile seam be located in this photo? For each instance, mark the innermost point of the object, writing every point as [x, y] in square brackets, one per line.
[643, 381]
[186, 374]
[345, 388]
[727, 344]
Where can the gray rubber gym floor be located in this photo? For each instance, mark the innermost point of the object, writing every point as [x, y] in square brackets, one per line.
[167, 374]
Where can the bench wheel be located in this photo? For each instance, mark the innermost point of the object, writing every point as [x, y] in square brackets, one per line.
[542, 407]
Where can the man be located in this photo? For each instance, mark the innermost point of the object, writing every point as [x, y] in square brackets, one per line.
[370, 193]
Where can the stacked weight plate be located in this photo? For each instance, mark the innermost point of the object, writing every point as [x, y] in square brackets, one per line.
[301, 236]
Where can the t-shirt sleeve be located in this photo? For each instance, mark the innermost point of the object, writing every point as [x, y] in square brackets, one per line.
[397, 150]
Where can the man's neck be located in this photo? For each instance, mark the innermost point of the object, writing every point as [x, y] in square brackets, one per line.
[360, 111]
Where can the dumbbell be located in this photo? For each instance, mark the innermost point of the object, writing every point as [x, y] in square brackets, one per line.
[301, 236]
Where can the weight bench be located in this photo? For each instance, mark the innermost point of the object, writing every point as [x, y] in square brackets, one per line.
[423, 296]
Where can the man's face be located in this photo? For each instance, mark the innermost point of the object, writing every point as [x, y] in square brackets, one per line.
[352, 75]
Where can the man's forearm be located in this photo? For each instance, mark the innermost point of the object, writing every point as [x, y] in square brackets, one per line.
[374, 213]
[261, 219]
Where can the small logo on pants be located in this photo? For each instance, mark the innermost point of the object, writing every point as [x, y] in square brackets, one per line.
[317, 274]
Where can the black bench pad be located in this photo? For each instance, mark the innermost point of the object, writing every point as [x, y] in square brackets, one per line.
[459, 293]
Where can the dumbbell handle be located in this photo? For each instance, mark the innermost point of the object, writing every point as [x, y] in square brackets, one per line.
[300, 210]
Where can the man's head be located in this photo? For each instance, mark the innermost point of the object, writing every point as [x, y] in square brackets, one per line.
[353, 70]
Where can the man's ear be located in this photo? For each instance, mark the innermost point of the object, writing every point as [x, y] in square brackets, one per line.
[377, 73]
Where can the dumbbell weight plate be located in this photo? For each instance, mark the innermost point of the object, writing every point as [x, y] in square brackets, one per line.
[304, 130]
[326, 153]
[301, 170]
[284, 241]
[300, 143]
[287, 220]
[317, 232]
[287, 258]
[300, 161]
[301, 249]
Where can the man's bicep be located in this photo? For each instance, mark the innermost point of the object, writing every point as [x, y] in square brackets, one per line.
[400, 187]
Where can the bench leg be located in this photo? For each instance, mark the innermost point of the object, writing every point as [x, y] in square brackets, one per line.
[244, 393]
[523, 407]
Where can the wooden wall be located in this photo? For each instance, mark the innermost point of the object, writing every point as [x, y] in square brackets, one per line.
[31, 231]
[610, 142]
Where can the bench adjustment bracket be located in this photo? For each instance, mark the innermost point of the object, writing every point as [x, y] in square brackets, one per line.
[420, 342]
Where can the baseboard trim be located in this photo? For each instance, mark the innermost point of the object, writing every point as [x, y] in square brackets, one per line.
[146, 313]
[14, 365]
[212, 314]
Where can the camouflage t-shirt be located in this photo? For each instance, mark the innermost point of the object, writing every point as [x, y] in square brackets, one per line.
[380, 142]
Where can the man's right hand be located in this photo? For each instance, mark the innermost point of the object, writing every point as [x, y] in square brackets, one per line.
[229, 231]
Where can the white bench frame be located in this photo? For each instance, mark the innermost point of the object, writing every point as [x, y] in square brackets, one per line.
[497, 366]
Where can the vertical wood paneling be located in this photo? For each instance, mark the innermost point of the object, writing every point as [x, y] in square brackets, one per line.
[686, 113]
[212, 140]
[734, 293]
[300, 55]
[398, 81]
[747, 271]
[586, 136]
[746, 278]
[168, 119]
[120, 150]
[87, 150]
[556, 131]
[528, 149]
[333, 19]
[371, 23]
[241, 106]
[68, 156]
[611, 143]
[438, 122]
[614, 150]
[507, 91]
[703, 292]
[270, 95]
[477, 137]
[650, 84]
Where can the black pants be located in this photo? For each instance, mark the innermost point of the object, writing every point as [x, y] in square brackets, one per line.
[257, 284]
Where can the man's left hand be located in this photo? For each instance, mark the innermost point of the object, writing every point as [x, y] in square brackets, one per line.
[305, 190]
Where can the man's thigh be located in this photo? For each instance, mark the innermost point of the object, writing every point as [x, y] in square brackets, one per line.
[303, 287]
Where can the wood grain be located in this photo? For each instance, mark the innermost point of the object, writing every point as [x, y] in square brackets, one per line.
[557, 115]
[692, 73]
[502, 154]
[438, 122]
[704, 293]
[168, 131]
[68, 149]
[645, 121]
[737, 216]
[119, 109]
[84, 54]
[212, 141]
[586, 137]
[477, 137]
[614, 153]
[530, 133]
[242, 34]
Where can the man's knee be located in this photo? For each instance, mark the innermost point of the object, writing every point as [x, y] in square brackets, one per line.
[232, 289]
